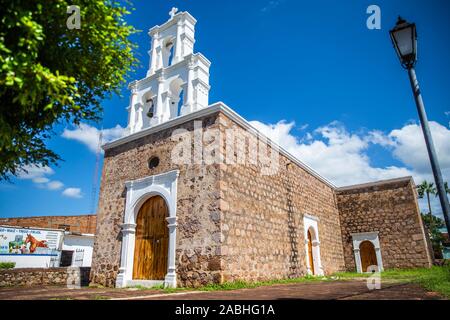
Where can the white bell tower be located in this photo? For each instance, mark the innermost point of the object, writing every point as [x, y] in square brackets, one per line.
[177, 82]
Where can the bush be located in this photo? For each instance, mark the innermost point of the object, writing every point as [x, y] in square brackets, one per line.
[7, 265]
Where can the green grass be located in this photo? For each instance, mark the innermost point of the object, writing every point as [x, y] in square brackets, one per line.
[248, 285]
[140, 287]
[231, 285]
[7, 265]
[101, 298]
[435, 279]
[236, 285]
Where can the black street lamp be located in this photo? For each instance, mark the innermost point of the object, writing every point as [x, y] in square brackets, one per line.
[404, 38]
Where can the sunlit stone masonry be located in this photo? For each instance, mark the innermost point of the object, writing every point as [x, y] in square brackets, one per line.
[193, 194]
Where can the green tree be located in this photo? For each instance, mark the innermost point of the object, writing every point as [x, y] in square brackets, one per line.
[447, 190]
[51, 74]
[434, 224]
[427, 188]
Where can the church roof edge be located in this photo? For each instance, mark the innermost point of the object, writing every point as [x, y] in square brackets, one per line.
[374, 184]
[214, 108]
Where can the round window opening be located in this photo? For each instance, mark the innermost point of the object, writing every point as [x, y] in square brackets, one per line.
[153, 162]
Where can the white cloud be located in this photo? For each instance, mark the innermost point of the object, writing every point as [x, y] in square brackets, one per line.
[31, 172]
[378, 137]
[55, 185]
[72, 193]
[342, 157]
[409, 147]
[38, 174]
[39, 180]
[89, 135]
[272, 4]
[331, 151]
[279, 132]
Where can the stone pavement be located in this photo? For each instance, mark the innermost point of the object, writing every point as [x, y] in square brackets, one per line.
[335, 290]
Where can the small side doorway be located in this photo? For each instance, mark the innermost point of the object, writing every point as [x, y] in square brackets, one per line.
[368, 255]
[310, 252]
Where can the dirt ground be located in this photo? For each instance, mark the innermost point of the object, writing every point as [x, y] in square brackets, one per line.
[335, 290]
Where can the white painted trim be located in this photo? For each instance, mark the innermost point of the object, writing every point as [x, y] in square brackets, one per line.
[358, 238]
[145, 283]
[363, 235]
[311, 223]
[139, 191]
[173, 21]
[69, 233]
[214, 108]
[314, 218]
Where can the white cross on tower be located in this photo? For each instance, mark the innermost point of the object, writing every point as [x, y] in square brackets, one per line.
[173, 12]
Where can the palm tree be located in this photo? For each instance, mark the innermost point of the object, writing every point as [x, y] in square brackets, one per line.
[447, 190]
[427, 188]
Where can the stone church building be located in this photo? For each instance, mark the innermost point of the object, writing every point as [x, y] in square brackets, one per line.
[193, 194]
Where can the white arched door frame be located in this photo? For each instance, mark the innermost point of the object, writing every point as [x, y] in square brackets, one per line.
[358, 238]
[139, 191]
[310, 223]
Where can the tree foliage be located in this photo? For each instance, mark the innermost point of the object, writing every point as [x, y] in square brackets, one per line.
[426, 189]
[50, 74]
[434, 224]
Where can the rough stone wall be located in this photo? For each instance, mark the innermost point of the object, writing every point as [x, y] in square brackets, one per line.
[81, 224]
[391, 208]
[262, 217]
[234, 223]
[44, 277]
[198, 231]
[237, 223]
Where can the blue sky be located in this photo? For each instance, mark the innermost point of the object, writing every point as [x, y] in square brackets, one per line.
[310, 71]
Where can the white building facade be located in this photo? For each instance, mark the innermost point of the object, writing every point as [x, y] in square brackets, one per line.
[81, 247]
[45, 248]
[30, 247]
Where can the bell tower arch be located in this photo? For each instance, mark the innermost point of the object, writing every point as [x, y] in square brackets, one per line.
[177, 81]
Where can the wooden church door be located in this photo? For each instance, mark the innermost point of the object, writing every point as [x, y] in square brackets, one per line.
[152, 241]
[310, 252]
[368, 255]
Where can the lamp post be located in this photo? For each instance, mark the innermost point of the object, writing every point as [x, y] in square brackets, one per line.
[404, 39]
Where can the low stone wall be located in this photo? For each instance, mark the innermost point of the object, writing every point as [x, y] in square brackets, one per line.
[44, 277]
[81, 224]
